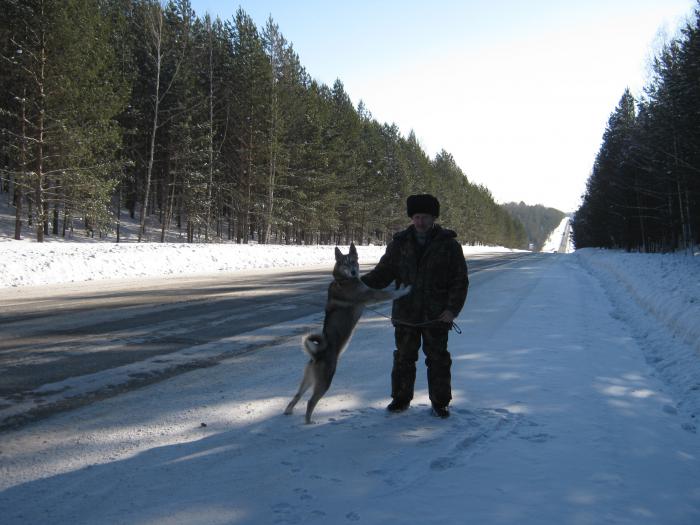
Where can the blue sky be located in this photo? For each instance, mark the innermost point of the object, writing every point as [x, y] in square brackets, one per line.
[518, 91]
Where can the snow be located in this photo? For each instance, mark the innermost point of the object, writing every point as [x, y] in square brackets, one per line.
[554, 242]
[576, 387]
[658, 296]
[27, 263]
[82, 258]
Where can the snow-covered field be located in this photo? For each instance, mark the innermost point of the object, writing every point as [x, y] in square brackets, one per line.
[576, 388]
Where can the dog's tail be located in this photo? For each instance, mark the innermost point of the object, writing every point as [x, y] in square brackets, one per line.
[314, 344]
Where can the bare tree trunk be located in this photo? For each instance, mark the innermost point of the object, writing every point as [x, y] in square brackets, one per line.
[18, 211]
[272, 168]
[39, 176]
[157, 35]
[681, 211]
[190, 231]
[249, 184]
[211, 130]
[687, 213]
[119, 212]
[19, 196]
[169, 212]
[39, 194]
[641, 223]
[54, 226]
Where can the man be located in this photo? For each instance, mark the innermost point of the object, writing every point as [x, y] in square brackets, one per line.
[430, 259]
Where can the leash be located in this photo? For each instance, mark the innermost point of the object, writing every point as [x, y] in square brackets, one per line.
[453, 326]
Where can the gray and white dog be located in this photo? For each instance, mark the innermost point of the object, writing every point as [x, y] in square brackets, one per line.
[347, 297]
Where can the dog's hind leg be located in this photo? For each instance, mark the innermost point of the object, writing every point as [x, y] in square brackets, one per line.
[318, 392]
[306, 382]
[321, 386]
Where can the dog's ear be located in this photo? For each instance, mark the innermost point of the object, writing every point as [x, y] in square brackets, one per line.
[353, 250]
[338, 254]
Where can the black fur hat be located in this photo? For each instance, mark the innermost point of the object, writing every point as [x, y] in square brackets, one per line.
[423, 204]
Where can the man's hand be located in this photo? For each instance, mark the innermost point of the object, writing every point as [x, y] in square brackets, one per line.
[446, 317]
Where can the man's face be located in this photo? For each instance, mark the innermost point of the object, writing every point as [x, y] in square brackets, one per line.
[422, 222]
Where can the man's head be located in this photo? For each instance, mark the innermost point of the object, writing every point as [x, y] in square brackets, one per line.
[423, 210]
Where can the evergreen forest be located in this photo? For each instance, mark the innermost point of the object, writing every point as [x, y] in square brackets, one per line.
[644, 190]
[210, 127]
[539, 221]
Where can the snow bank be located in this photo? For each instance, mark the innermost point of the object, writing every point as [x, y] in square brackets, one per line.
[50, 263]
[667, 286]
[658, 295]
[25, 263]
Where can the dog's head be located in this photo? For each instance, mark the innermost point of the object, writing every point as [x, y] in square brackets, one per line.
[346, 266]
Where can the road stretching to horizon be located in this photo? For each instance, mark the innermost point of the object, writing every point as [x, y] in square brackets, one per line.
[51, 333]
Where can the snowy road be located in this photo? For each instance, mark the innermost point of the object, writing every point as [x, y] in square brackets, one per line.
[57, 332]
[127, 333]
[557, 418]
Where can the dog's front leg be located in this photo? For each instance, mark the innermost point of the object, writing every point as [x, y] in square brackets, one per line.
[404, 289]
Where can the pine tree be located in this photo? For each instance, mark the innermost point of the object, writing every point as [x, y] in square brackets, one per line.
[250, 87]
[64, 69]
[644, 191]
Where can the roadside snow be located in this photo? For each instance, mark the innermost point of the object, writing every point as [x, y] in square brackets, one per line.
[25, 263]
[82, 258]
[658, 295]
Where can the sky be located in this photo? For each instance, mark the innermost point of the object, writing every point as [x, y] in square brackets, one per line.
[519, 92]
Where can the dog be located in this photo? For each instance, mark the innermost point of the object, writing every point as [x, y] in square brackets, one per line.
[347, 298]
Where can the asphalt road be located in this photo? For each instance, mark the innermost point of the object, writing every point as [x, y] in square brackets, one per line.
[48, 334]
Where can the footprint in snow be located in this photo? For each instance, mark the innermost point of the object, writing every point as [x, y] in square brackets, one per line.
[284, 511]
[482, 426]
[303, 494]
[443, 463]
[689, 427]
[537, 438]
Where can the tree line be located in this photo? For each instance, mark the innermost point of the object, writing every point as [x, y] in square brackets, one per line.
[210, 127]
[538, 221]
[644, 190]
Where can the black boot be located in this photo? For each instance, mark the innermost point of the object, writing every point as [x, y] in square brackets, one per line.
[441, 412]
[398, 406]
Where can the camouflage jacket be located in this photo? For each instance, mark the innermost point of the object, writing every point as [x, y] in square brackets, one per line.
[437, 272]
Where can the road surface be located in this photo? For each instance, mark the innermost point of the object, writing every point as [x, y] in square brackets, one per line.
[53, 333]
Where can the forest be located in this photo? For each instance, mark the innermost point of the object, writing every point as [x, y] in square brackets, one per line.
[643, 193]
[211, 127]
[539, 221]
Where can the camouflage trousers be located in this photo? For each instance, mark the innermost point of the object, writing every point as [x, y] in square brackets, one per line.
[437, 359]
